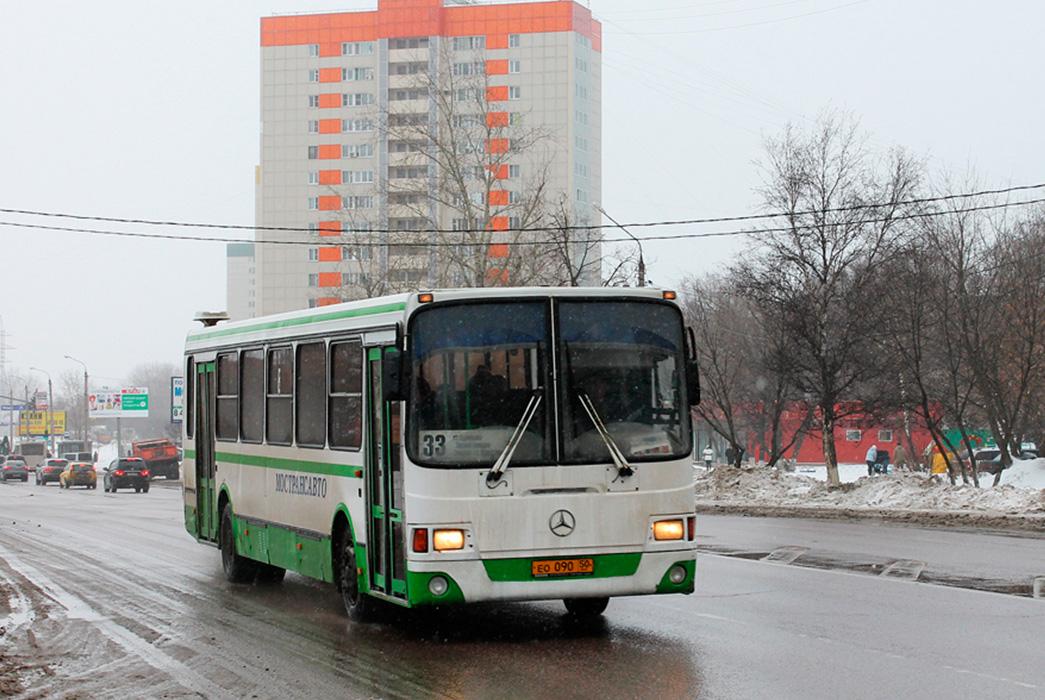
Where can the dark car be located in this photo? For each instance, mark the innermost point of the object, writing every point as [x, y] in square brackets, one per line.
[50, 470]
[125, 473]
[988, 461]
[14, 469]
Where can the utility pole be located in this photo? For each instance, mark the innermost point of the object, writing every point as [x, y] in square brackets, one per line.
[50, 409]
[85, 393]
[642, 262]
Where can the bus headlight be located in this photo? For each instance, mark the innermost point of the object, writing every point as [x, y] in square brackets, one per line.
[668, 530]
[447, 540]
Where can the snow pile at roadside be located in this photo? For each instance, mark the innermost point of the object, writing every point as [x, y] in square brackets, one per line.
[1024, 473]
[914, 492]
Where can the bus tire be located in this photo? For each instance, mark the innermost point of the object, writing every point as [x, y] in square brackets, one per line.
[358, 605]
[237, 569]
[270, 575]
[585, 608]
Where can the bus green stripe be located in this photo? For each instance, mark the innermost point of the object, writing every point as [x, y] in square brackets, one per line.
[606, 566]
[190, 454]
[295, 465]
[301, 321]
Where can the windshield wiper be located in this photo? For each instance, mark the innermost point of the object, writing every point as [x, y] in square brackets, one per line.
[623, 468]
[505, 457]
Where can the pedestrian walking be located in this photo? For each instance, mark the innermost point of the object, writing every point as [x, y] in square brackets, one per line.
[872, 455]
[709, 454]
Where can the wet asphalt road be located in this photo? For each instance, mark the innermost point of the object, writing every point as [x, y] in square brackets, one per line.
[125, 604]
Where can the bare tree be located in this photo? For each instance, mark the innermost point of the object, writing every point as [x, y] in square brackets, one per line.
[156, 376]
[820, 277]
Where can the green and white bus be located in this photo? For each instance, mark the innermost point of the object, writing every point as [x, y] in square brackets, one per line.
[449, 446]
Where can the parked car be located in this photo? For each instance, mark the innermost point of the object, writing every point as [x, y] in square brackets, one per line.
[129, 472]
[50, 470]
[79, 474]
[988, 460]
[15, 469]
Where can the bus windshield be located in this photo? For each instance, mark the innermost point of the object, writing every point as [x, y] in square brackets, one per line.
[476, 368]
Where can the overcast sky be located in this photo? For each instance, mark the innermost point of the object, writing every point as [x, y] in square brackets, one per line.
[150, 110]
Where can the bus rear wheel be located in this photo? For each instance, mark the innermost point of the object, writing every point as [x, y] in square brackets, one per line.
[237, 569]
[358, 605]
[586, 608]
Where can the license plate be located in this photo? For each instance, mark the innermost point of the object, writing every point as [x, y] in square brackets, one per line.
[547, 568]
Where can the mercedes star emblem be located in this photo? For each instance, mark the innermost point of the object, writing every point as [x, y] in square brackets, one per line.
[562, 523]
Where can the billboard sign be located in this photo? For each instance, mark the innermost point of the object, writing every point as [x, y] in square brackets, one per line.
[129, 402]
[177, 399]
[36, 422]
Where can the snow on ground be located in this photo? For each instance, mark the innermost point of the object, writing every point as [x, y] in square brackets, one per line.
[1024, 473]
[847, 473]
[906, 491]
[106, 454]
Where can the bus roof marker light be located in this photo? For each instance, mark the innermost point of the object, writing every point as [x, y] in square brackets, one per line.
[425, 298]
[670, 295]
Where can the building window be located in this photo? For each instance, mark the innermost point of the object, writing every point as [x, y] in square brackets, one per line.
[228, 397]
[313, 50]
[464, 43]
[514, 223]
[514, 92]
[407, 68]
[580, 142]
[312, 228]
[313, 100]
[356, 177]
[581, 64]
[313, 177]
[513, 41]
[311, 389]
[252, 390]
[279, 413]
[853, 435]
[412, 43]
[313, 203]
[345, 413]
[311, 303]
[358, 253]
[885, 436]
[357, 202]
[313, 75]
[514, 171]
[515, 118]
[470, 68]
[357, 150]
[515, 66]
[580, 117]
[349, 74]
[313, 152]
[355, 125]
[398, 94]
[313, 279]
[313, 126]
[403, 172]
[357, 48]
[514, 197]
[357, 99]
[313, 254]
[581, 91]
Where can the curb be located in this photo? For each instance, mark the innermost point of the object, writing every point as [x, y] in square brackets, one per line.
[1000, 521]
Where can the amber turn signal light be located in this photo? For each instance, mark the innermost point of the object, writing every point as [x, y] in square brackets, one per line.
[668, 530]
[447, 540]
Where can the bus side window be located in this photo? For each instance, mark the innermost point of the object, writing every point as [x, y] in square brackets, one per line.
[345, 413]
[311, 394]
[252, 395]
[190, 397]
[228, 397]
[279, 404]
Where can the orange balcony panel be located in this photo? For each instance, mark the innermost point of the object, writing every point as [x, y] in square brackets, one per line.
[498, 250]
[329, 151]
[500, 172]
[327, 301]
[329, 279]
[330, 126]
[330, 177]
[497, 146]
[329, 100]
[499, 223]
[329, 228]
[330, 48]
[496, 275]
[330, 254]
[498, 197]
[497, 93]
[496, 119]
[330, 75]
[330, 202]
[496, 41]
[497, 66]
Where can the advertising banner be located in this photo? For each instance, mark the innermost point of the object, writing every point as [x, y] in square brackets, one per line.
[177, 399]
[35, 423]
[129, 402]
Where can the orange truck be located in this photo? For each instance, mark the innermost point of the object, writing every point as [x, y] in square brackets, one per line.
[161, 456]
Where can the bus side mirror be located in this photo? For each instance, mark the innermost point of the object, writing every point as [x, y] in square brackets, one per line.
[692, 370]
[393, 376]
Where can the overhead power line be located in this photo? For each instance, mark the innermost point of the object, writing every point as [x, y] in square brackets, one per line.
[533, 242]
[589, 227]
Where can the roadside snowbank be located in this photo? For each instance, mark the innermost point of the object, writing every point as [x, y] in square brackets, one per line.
[909, 492]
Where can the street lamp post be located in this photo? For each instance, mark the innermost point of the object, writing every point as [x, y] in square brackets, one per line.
[84, 365]
[642, 262]
[50, 408]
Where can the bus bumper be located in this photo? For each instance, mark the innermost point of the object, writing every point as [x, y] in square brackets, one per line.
[618, 574]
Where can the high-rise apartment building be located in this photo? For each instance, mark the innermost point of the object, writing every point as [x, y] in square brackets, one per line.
[410, 145]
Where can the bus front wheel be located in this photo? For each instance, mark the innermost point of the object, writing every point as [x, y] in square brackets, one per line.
[237, 569]
[586, 608]
[358, 605]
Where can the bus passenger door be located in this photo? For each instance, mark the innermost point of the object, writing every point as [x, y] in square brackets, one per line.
[384, 474]
[206, 515]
